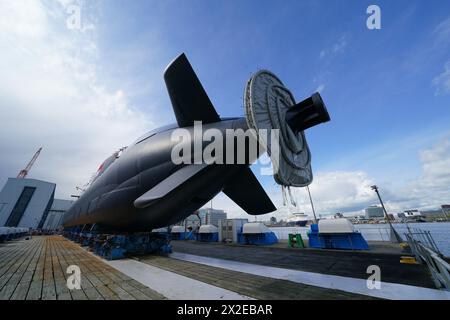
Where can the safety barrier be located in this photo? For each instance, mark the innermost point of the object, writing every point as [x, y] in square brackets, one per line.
[424, 248]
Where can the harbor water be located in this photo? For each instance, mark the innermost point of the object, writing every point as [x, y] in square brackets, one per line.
[380, 232]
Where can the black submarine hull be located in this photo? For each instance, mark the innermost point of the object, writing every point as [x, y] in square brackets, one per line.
[109, 202]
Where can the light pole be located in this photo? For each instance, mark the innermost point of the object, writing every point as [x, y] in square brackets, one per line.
[312, 204]
[397, 236]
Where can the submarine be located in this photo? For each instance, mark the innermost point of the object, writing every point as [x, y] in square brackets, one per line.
[142, 188]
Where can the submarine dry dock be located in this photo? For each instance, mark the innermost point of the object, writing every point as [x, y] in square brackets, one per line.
[35, 269]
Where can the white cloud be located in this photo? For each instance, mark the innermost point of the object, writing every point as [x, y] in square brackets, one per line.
[336, 48]
[339, 192]
[331, 192]
[25, 19]
[50, 96]
[66, 3]
[432, 189]
[435, 182]
[442, 81]
[320, 88]
[428, 191]
[442, 31]
[349, 191]
[339, 47]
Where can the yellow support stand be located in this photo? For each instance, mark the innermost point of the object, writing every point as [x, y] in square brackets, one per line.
[408, 260]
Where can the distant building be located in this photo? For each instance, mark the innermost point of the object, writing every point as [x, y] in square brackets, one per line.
[436, 213]
[25, 202]
[374, 212]
[211, 216]
[401, 215]
[431, 214]
[412, 214]
[202, 217]
[56, 213]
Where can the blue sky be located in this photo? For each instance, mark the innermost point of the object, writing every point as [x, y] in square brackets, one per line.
[377, 84]
[387, 90]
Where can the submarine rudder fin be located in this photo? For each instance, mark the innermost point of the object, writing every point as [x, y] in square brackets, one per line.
[246, 191]
[188, 97]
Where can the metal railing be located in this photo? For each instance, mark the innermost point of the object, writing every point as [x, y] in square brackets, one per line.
[425, 238]
[424, 248]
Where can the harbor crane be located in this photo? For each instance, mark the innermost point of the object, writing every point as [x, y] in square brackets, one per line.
[24, 172]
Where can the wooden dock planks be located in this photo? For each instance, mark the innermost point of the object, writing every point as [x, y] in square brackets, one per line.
[334, 262]
[35, 269]
[250, 285]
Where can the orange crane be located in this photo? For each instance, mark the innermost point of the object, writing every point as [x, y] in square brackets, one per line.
[24, 172]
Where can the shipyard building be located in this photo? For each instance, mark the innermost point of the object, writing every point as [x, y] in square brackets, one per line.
[374, 212]
[204, 216]
[56, 213]
[211, 216]
[30, 203]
